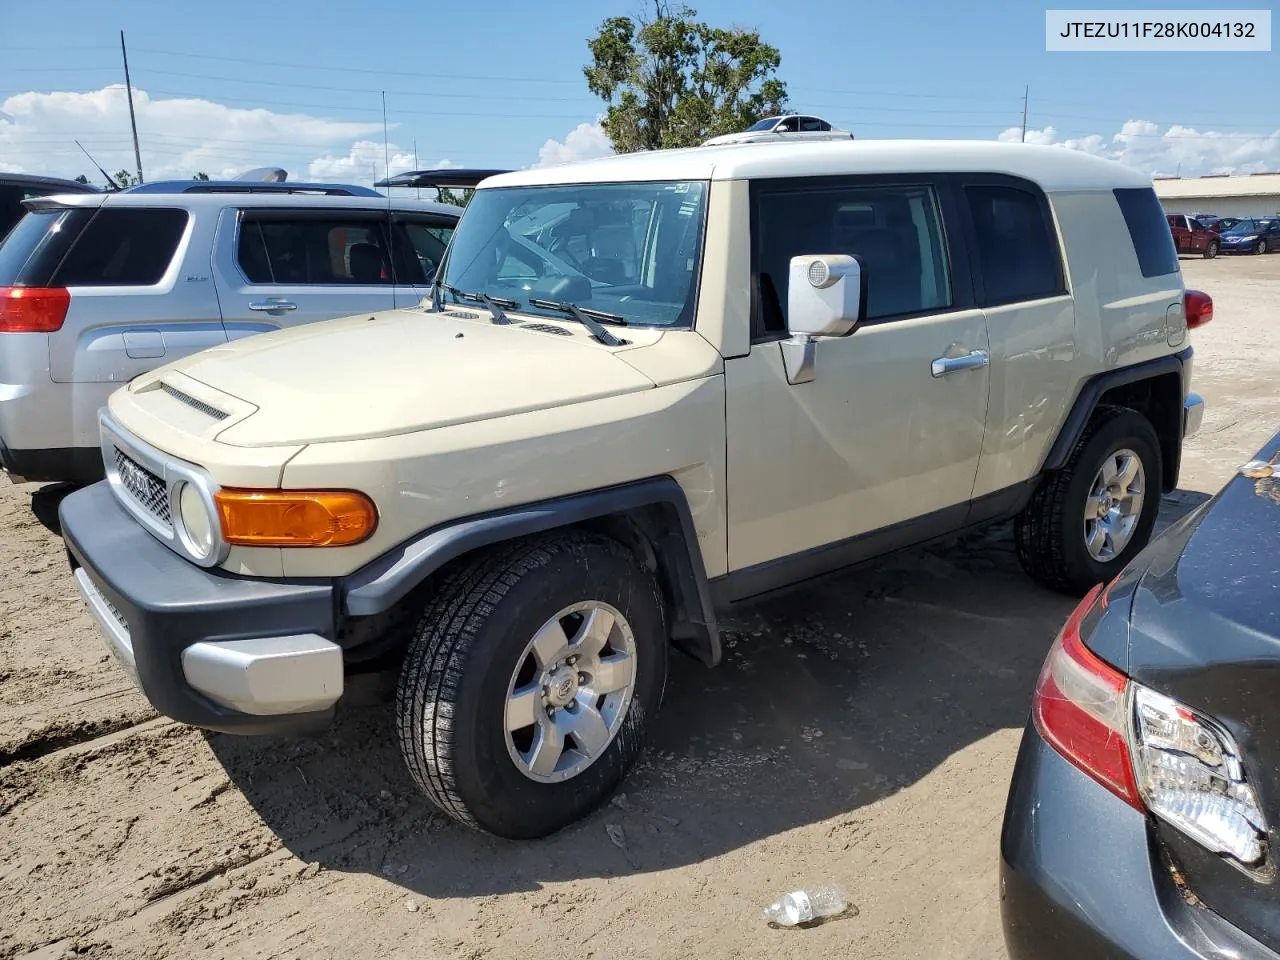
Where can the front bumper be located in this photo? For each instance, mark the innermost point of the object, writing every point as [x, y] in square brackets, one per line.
[207, 648]
[1081, 875]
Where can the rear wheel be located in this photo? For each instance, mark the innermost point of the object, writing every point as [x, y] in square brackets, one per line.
[1086, 522]
[1211, 250]
[528, 688]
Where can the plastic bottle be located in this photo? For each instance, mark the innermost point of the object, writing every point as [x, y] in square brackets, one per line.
[801, 906]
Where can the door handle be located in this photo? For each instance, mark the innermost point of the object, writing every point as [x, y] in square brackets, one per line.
[970, 361]
[271, 306]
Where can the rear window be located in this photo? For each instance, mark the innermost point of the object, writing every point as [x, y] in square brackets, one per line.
[123, 247]
[1149, 230]
[1016, 246]
[31, 252]
[313, 250]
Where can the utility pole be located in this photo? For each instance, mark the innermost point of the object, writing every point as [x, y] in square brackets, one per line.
[1026, 92]
[418, 193]
[133, 120]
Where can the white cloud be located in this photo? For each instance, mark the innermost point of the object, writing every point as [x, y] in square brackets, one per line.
[1142, 145]
[365, 162]
[586, 141]
[179, 135]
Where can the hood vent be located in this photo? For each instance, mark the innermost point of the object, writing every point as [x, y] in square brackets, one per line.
[548, 328]
[207, 409]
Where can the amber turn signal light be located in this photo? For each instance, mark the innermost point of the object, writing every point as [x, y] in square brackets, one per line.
[295, 518]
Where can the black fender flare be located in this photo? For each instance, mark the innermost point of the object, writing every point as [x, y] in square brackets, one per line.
[1094, 388]
[657, 507]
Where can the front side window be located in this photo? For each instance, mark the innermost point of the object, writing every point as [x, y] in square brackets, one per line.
[426, 242]
[123, 247]
[279, 249]
[630, 249]
[1017, 250]
[895, 231]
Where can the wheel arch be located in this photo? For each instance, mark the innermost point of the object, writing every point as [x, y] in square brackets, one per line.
[1157, 389]
[651, 517]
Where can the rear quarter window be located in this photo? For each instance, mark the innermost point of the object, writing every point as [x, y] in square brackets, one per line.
[123, 247]
[1149, 230]
[31, 251]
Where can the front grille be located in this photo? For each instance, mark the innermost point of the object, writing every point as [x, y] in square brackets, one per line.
[207, 409]
[144, 486]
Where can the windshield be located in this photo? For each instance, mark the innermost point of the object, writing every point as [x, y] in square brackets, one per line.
[1243, 226]
[630, 249]
[765, 124]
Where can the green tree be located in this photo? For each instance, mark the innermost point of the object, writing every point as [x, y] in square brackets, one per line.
[673, 81]
[124, 178]
[200, 175]
[459, 199]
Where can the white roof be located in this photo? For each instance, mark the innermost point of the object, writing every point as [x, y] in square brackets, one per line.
[1053, 168]
[1254, 185]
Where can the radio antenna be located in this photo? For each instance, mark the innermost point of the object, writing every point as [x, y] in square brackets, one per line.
[111, 184]
[391, 227]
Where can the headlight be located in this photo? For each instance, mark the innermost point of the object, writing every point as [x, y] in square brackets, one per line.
[196, 527]
[1189, 773]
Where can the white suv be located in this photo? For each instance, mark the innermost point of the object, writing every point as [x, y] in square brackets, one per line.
[653, 387]
[97, 288]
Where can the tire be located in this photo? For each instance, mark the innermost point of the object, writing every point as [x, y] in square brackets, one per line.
[1260, 247]
[467, 657]
[1051, 531]
[1211, 250]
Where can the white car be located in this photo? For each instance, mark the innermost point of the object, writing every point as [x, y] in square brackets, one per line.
[792, 126]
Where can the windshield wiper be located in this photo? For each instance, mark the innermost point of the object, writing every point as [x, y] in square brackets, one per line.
[495, 304]
[587, 317]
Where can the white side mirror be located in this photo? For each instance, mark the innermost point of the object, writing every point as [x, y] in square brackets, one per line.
[824, 296]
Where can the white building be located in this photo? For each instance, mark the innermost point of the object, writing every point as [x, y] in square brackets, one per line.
[1252, 195]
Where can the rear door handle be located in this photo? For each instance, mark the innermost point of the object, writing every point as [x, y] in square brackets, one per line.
[271, 306]
[970, 361]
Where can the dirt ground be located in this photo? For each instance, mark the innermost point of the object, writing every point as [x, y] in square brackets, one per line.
[860, 732]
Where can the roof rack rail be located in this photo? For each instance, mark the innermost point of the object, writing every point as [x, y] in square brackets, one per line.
[448, 178]
[253, 186]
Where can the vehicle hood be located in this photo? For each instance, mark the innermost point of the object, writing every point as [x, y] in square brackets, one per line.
[401, 371]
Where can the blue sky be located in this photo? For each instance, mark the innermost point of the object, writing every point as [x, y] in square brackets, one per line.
[488, 84]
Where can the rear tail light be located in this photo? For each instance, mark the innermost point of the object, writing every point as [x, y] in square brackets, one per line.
[1198, 308]
[1080, 707]
[33, 309]
[1190, 775]
[1184, 767]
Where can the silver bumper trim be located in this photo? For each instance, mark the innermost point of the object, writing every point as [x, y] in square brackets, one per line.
[114, 630]
[1192, 414]
[267, 676]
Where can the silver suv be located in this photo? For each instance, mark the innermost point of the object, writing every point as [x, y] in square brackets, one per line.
[96, 289]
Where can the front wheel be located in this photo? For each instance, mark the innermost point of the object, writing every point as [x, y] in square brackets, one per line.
[1211, 250]
[1260, 247]
[1086, 521]
[527, 690]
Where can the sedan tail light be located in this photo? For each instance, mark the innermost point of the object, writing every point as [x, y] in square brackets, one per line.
[1080, 707]
[1184, 767]
[1198, 307]
[33, 309]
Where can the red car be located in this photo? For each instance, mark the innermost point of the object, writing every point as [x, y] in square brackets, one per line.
[1192, 236]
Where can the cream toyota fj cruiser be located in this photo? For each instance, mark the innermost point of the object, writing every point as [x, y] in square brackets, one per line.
[648, 388]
